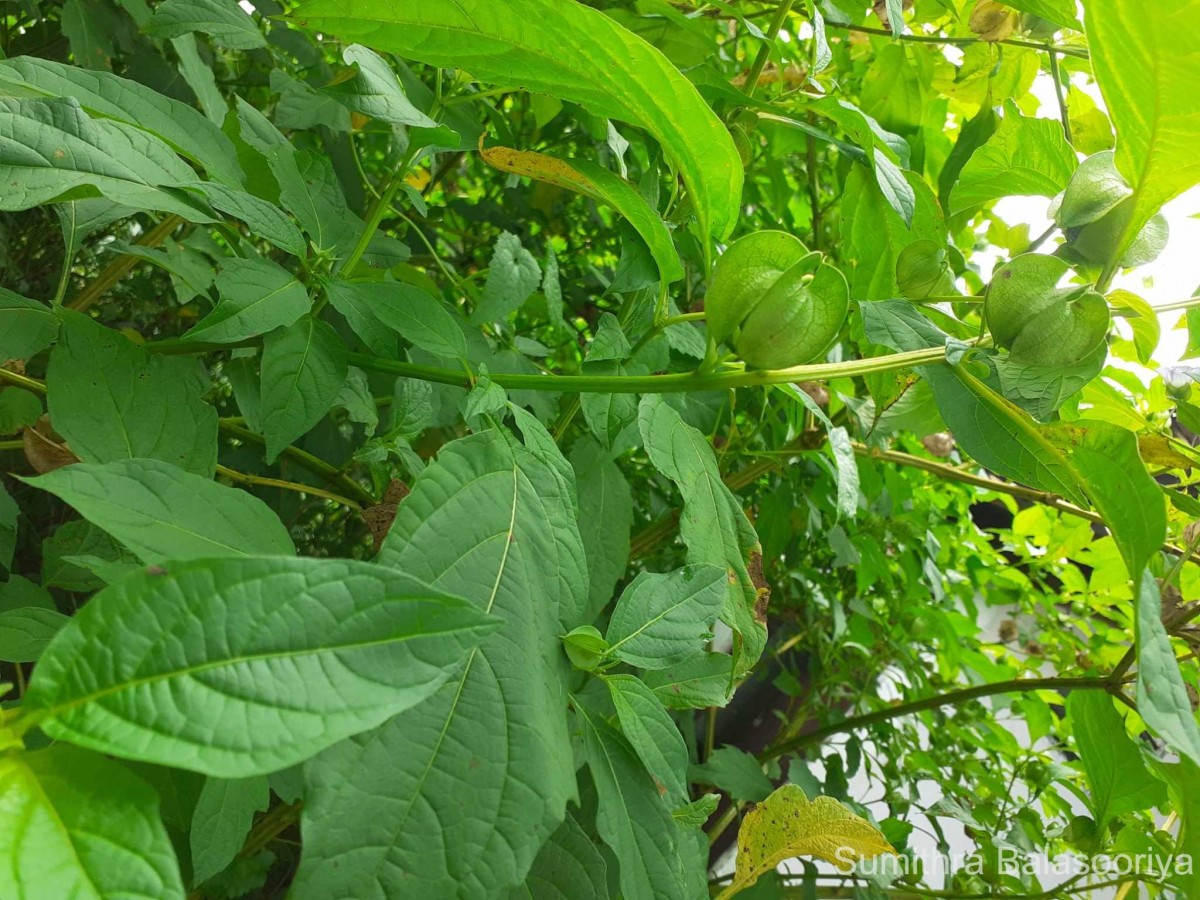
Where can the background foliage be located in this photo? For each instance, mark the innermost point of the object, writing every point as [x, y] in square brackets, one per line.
[471, 449]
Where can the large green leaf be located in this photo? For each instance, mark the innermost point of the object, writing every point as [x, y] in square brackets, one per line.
[224, 21]
[663, 619]
[303, 368]
[1108, 466]
[161, 512]
[455, 798]
[257, 296]
[712, 524]
[268, 661]
[26, 326]
[632, 818]
[111, 400]
[77, 825]
[222, 819]
[567, 50]
[50, 150]
[1025, 156]
[1162, 698]
[373, 89]
[605, 518]
[652, 734]
[568, 867]
[109, 96]
[1116, 771]
[1147, 63]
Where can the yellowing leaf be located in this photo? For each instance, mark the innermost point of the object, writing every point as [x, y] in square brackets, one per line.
[787, 824]
[991, 21]
[601, 185]
[569, 51]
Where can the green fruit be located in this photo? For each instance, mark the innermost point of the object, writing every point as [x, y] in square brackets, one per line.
[797, 319]
[777, 303]
[921, 270]
[1094, 212]
[1097, 241]
[1037, 321]
[743, 275]
[1095, 189]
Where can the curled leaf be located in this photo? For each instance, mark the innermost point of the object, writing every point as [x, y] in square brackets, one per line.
[601, 185]
[787, 824]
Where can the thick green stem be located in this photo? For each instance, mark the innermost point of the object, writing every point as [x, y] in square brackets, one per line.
[764, 52]
[657, 384]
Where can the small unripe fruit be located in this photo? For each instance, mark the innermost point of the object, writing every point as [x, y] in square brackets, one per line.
[777, 303]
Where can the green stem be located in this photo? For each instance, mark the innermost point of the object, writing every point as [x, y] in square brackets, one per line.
[379, 208]
[963, 41]
[315, 465]
[657, 384]
[1059, 95]
[764, 52]
[245, 478]
[119, 267]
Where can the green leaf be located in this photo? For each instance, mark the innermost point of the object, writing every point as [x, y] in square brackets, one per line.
[488, 758]
[104, 95]
[1116, 772]
[78, 825]
[1108, 466]
[161, 512]
[19, 593]
[224, 21]
[703, 680]
[18, 408]
[874, 235]
[847, 471]
[696, 813]
[788, 825]
[712, 524]
[568, 867]
[356, 300]
[601, 185]
[736, 772]
[402, 309]
[1162, 698]
[1181, 780]
[257, 296]
[111, 400]
[512, 277]
[50, 150]
[1060, 12]
[270, 660]
[26, 326]
[1152, 108]
[265, 220]
[660, 620]
[568, 51]
[1025, 156]
[605, 520]
[87, 28]
[9, 514]
[221, 821]
[373, 89]
[1095, 189]
[652, 734]
[25, 632]
[632, 818]
[303, 368]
